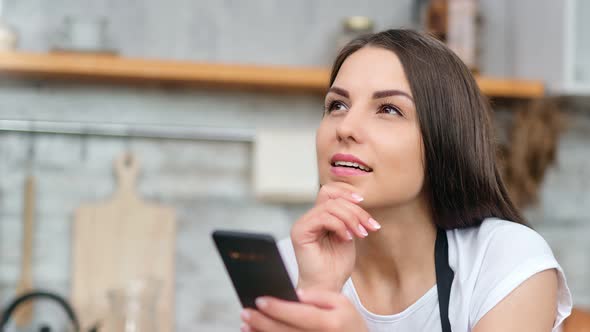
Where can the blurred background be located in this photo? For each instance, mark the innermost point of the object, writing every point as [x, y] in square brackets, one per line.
[129, 130]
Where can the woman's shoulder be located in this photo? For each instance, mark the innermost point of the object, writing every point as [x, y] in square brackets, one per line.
[491, 260]
[496, 251]
[498, 237]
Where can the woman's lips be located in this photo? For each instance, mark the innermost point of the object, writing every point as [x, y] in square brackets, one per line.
[348, 158]
[347, 171]
[348, 165]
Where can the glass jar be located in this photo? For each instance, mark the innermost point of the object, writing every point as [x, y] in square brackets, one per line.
[134, 307]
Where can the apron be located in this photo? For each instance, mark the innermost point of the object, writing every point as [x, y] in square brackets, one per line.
[444, 277]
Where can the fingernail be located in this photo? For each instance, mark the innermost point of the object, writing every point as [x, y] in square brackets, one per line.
[261, 303]
[357, 197]
[245, 328]
[349, 235]
[245, 315]
[374, 223]
[363, 230]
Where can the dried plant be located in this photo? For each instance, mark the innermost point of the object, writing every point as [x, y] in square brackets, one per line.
[530, 148]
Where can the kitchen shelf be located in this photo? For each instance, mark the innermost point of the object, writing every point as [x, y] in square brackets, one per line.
[111, 68]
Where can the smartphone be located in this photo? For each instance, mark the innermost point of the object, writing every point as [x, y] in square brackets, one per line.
[254, 265]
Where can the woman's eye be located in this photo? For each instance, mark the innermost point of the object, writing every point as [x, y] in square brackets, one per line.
[335, 106]
[389, 109]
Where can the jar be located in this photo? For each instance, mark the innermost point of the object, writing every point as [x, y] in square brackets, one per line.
[354, 27]
[133, 308]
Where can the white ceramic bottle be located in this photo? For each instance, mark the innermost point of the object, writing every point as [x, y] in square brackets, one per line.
[7, 35]
[461, 34]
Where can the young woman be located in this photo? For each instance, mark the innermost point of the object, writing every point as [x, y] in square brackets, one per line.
[412, 229]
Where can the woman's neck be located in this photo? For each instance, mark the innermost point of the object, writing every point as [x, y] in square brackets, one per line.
[399, 258]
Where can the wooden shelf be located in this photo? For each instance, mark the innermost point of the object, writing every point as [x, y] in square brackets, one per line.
[269, 78]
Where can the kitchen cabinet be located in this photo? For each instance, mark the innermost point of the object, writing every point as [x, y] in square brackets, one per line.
[551, 41]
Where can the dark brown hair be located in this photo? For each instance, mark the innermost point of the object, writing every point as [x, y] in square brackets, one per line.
[461, 174]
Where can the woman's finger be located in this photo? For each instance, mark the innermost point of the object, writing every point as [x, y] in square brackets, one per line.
[336, 226]
[257, 321]
[295, 314]
[247, 328]
[320, 298]
[363, 216]
[356, 219]
[324, 221]
[328, 192]
[347, 217]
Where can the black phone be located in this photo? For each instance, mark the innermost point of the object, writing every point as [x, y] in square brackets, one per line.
[254, 265]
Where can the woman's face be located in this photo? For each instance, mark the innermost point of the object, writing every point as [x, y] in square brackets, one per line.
[370, 118]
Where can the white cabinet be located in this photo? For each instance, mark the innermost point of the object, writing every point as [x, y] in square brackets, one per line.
[581, 43]
[551, 42]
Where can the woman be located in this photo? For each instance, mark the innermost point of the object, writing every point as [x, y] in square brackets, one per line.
[412, 229]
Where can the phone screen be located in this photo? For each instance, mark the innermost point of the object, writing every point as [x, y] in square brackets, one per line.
[254, 265]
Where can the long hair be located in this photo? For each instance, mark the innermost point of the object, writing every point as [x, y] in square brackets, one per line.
[463, 181]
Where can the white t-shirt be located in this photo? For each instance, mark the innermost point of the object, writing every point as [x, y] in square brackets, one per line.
[489, 262]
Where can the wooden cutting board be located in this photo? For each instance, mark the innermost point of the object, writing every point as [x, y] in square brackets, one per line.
[120, 240]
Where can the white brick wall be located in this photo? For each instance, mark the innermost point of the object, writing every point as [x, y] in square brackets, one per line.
[562, 216]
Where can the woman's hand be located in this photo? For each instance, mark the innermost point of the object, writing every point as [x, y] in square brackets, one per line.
[318, 310]
[322, 238]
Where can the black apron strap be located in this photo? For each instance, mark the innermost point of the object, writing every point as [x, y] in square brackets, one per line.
[444, 277]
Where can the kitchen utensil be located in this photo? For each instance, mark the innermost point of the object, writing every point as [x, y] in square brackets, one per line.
[23, 315]
[23, 299]
[122, 239]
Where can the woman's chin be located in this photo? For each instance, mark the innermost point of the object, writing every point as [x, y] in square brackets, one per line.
[344, 184]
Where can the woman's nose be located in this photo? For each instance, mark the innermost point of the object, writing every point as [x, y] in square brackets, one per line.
[349, 127]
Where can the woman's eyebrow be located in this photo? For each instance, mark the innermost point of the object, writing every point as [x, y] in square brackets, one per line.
[376, 95]
[388, 93]
[339, 91]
